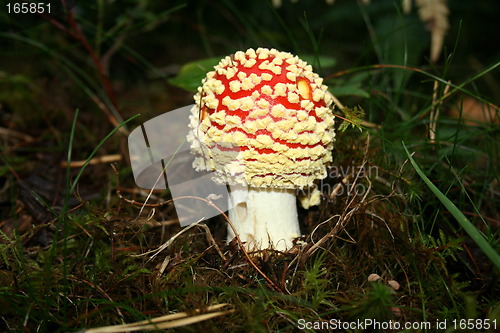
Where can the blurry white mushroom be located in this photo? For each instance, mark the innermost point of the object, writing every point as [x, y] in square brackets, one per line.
[393, 284]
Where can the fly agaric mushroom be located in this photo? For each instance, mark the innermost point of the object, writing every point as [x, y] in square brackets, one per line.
[262, 123]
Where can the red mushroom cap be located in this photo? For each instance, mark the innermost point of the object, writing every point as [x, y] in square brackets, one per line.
[262, 118]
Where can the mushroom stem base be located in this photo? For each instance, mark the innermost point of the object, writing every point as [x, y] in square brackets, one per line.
[263, 217]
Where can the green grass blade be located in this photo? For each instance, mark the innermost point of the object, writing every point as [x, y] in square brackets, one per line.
[457, 214]
[96, 149]
[68, 162]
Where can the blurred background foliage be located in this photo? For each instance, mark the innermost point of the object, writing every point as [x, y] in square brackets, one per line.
[62, 270]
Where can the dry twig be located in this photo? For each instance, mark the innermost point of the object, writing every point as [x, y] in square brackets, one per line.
[238, 239]
[167, 321]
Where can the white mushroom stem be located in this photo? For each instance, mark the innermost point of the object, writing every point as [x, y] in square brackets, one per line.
[263, 217]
